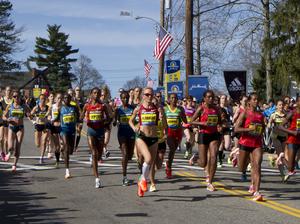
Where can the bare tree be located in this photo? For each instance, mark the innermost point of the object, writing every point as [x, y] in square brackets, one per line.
[87, 76]
[135, 82]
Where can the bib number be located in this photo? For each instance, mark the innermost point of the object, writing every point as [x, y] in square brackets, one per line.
[212, 120]
[298, 125]
[124, 119]
[68, 118]
[148, 119]
[95, 116]
[258, 129]
[172, 121]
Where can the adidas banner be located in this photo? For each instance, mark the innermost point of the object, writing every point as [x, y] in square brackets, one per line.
[236, 82]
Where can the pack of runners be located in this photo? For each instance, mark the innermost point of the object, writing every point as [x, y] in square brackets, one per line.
[147, 127]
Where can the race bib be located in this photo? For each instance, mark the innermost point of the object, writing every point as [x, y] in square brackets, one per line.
[55, 114]
[278, 120]
[212, 120]
[298, 125]
[172, 121]
[68, 118]
[124, 119]
[189, 119]
[42, 115]
[258, 129]
[148, 119]
[95, 116]
[17, 113]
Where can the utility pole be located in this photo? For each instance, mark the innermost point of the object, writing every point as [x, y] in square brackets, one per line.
[267, 48]
[198, 42]
[189, 68]
[162, 59]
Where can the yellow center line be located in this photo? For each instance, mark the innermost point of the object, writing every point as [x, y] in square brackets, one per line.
[244, 194]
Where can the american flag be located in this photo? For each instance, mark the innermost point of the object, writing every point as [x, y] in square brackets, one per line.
[147, 68]
[161, 43]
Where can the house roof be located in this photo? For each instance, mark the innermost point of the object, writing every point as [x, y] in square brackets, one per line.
[14, 79]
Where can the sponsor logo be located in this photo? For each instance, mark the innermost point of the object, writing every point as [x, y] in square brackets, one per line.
[236, 85]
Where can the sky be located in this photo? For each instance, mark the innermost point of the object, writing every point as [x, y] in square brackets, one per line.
[116, 44]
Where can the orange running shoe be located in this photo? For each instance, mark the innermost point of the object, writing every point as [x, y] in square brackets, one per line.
[140, 192]
[257, 197]
[251, 189]
[143, 184]
[168, 172]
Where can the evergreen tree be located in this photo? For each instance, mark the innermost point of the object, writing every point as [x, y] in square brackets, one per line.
[9, 38]
[286, 44]
[52, 53]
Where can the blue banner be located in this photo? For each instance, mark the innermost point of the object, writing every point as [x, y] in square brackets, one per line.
[175, 87]
[161, 89]
[197, 86]
[172, 66]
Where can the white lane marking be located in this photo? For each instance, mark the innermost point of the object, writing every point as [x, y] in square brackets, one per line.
[21, 166]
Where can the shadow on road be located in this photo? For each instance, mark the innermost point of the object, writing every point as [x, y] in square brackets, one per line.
[19, 206]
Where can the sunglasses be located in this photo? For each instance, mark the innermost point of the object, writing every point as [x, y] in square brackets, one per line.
[77, 90]
[15, 96]
[148, 94]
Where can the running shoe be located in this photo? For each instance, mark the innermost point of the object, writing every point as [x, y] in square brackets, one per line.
[229, 161]
[290, 173]
[178, 148]
[7, 157]
[98, 183]
[68, 175]
[210, 188]
[140, 192]
[257, 196]
[234, 161]
[107, 154]
[125, 182]
[191, 160]
[244, 177]
[219, 164]
[282, 170]
[272, 161]
[3, 156]
[41, 161]
[152, 188]
[56, 165]
[251, 189]
[49, 155]
[186, 155]
[14, 168]
[168, 172]
[143, 184]
[249, 167]
[100, 162]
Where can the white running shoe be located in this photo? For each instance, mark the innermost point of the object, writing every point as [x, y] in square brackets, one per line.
[98, 184]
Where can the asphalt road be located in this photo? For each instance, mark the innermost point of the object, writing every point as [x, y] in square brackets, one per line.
[40, 194]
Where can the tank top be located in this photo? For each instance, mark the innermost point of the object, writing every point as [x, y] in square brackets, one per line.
[41, 114]
[6, 102]
[189, 113]
[252, 139]
[95, 115]
[211, 116]
[278, 119]
[54, 112]
[148, 116]
[68, 117]
[294, 126]
[173, 117]
[1, 111]
[124, 115]
[16, 112]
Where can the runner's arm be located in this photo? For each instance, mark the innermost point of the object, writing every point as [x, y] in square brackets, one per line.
[284, 122]
[238, 127]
